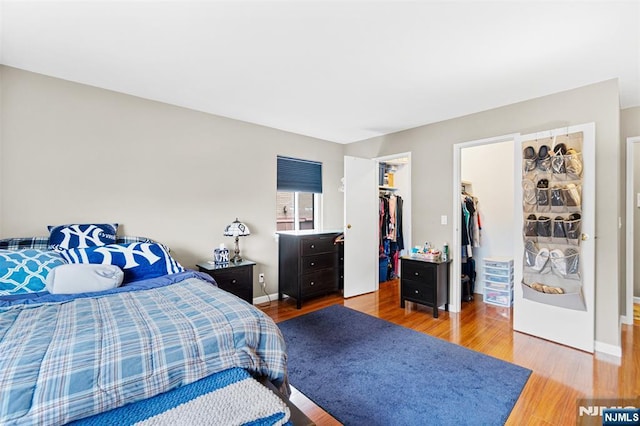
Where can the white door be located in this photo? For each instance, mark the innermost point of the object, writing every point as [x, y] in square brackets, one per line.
[566, 318]
[360, 226]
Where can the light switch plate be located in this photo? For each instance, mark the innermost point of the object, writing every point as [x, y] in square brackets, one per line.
[444, 219]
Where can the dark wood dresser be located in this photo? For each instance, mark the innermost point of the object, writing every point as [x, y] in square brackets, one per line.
[424, 282]
[309, 264]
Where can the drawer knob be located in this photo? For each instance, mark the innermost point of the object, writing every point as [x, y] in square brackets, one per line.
[311, 283]
[416, 291]
[313, 263]
[416, 274]
[233, 281]
[313, 246]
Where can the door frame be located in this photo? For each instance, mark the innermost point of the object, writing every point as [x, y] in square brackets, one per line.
[633, 143]
[455, 290]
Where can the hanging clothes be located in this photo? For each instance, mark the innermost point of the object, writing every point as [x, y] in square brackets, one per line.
[391, 237]
[470, 237]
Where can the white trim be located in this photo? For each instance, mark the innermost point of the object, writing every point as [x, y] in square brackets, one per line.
[629, 299]
[455, 289]
[606, 348]
[318, 212]
[264, 299]
[636, 300]
[296, 211]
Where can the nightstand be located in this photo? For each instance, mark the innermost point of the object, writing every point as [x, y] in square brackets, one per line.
[425, 282]
[236, 278]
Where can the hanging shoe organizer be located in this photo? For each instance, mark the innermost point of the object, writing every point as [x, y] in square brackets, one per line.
[552, 204]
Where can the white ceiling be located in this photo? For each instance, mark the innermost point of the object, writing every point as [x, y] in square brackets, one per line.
[342, 71]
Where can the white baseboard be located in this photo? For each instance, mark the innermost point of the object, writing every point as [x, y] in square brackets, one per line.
[264, 299]
[608, 349]
[636, 300]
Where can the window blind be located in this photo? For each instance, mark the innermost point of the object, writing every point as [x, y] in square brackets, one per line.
[296, 175]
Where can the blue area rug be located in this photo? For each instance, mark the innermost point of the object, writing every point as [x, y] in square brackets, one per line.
[367, 371]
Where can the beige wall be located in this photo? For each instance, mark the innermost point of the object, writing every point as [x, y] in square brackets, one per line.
[74, 153]
[630, 122]
[432, 162]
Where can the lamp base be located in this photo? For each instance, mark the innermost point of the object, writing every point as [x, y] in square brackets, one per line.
[236, 253]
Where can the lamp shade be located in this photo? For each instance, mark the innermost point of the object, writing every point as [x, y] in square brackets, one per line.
[237, 229]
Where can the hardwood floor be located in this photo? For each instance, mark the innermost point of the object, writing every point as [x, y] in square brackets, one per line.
[561, 375]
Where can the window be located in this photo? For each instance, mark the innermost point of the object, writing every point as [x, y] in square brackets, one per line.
[298, 195]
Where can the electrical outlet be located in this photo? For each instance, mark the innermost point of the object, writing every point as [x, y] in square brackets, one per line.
[261, 278]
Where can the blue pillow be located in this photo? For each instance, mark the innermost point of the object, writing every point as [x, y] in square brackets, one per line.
[63, 237]
[138, 261]
[25, 271]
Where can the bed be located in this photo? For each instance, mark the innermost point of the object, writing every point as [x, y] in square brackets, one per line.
[156, 348]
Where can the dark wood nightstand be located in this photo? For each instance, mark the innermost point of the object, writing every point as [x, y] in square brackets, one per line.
[424, 282]
[236, 278]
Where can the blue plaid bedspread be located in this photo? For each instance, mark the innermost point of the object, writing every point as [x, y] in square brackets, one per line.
[66, 360]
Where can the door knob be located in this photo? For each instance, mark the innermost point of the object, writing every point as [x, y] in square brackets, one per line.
[349, 226]
[585, 237]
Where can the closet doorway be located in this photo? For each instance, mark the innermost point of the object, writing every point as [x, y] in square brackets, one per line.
[361, 187]
[394, 181]
[485, 170]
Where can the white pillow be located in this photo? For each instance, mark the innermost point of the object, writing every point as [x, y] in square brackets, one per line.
[83, 277]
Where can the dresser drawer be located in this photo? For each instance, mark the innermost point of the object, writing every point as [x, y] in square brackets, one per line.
[317, 245]
[420, 291]
[318, 261]
[322, 281]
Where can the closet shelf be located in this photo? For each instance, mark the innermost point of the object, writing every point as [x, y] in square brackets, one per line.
[387, 188]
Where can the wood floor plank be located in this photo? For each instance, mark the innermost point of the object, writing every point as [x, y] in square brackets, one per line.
[561, 375]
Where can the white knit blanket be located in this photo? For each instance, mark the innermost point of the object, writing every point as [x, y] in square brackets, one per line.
[236, 404]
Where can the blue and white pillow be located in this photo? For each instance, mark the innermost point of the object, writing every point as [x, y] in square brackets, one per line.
[25, 271]
[64, 237]
[138, 261]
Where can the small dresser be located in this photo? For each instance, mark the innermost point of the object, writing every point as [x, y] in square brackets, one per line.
[425, 282]
[309, 264]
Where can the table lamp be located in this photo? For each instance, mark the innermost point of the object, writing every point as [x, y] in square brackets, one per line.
[236, 229]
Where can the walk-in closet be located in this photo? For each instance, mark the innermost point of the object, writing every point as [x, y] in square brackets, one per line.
[394, 189]
[487, 210]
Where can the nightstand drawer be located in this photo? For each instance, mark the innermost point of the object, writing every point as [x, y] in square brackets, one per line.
[317, 245]
[417, 270]
[319, 261]
[232, 278]
[317, 282]
[417, 290]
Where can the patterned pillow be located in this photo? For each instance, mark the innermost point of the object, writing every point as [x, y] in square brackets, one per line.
[25, 271]
[138, 261]
[63, 237]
